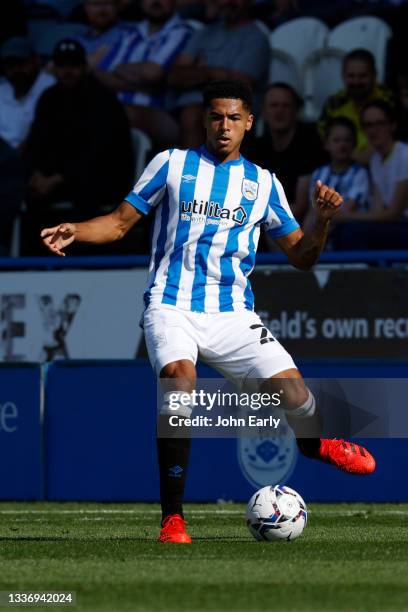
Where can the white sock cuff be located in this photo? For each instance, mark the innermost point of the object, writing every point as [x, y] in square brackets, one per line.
[178, 403]
[307, 409]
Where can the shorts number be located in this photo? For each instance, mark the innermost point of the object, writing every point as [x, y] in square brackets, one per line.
[265, 338]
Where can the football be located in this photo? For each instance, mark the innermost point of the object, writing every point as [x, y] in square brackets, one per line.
[276, 513]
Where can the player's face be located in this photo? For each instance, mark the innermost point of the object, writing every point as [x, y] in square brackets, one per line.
[158, 10]
[225, 122]
[340, 144]
[280, 110]
[102, 14]
[378, 128]
[359, 79]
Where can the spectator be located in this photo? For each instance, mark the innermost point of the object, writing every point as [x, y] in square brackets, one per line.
[141, 76]
[79, 147]
[359, 75]
[11, 193]
[347, 177]
[289, 148]
[386, 223]
[19, 93]
[234, 48]
[103, 41]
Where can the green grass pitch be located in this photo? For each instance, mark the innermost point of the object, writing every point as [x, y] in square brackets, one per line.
[350, 558]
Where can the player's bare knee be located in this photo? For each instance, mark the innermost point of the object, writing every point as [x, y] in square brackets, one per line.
[182, 371]
[183, 368]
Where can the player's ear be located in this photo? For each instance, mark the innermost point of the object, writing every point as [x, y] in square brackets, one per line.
[249, 122]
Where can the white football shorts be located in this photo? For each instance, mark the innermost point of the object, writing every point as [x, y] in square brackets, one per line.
[237, 344]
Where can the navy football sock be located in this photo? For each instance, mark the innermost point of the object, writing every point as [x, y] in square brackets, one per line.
[173, 455]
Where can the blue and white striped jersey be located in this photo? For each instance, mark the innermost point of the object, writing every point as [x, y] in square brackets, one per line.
[353, 183]
[112, 44]
[161, 47]
[207, 225]
[127, 43]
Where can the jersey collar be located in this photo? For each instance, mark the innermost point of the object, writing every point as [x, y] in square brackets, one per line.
[233, 162]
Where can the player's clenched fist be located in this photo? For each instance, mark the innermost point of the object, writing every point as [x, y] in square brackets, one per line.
[326, 201]
[58, 237]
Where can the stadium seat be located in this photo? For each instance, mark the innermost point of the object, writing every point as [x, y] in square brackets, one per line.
[283, 68]
[298, 39]
[45, 33]
[142, 145]
[322, 77]
[367, 32]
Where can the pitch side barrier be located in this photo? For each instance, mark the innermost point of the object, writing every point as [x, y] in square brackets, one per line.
[86, 431]
[97, 441]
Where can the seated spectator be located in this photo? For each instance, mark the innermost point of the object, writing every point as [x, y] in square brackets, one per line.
[103, 40]
[79, 149]
[11, 193]
[19, 92]
[359, 75]
[347, 177]
[385, 224]
[234, 48]
[289, 148]
[140, 75]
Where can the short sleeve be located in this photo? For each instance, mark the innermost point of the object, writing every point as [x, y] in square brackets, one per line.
[279, 219]
[150, 188]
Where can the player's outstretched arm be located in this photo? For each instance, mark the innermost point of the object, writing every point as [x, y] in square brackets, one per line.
[303, 248]
[99, 230]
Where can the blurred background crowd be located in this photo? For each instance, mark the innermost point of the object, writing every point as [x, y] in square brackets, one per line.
[91, 89]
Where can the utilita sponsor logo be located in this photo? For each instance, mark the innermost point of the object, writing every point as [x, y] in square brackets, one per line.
[8, 417]
[212, 211]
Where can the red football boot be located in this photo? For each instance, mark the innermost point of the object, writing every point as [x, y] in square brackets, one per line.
[346, 456]
[174, 530]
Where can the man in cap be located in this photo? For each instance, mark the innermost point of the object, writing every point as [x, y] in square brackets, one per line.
[19, 93]
[79, 149]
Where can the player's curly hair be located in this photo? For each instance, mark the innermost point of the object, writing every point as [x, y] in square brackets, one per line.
[235, 90]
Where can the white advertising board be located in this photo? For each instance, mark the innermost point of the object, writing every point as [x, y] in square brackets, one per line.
[71, 314]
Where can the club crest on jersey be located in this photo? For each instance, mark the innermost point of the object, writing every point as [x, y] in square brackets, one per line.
[249, 189]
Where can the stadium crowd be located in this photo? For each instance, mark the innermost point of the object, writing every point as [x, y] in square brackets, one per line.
[81, 79]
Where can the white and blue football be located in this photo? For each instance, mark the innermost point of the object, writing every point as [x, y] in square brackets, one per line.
[276, 513]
